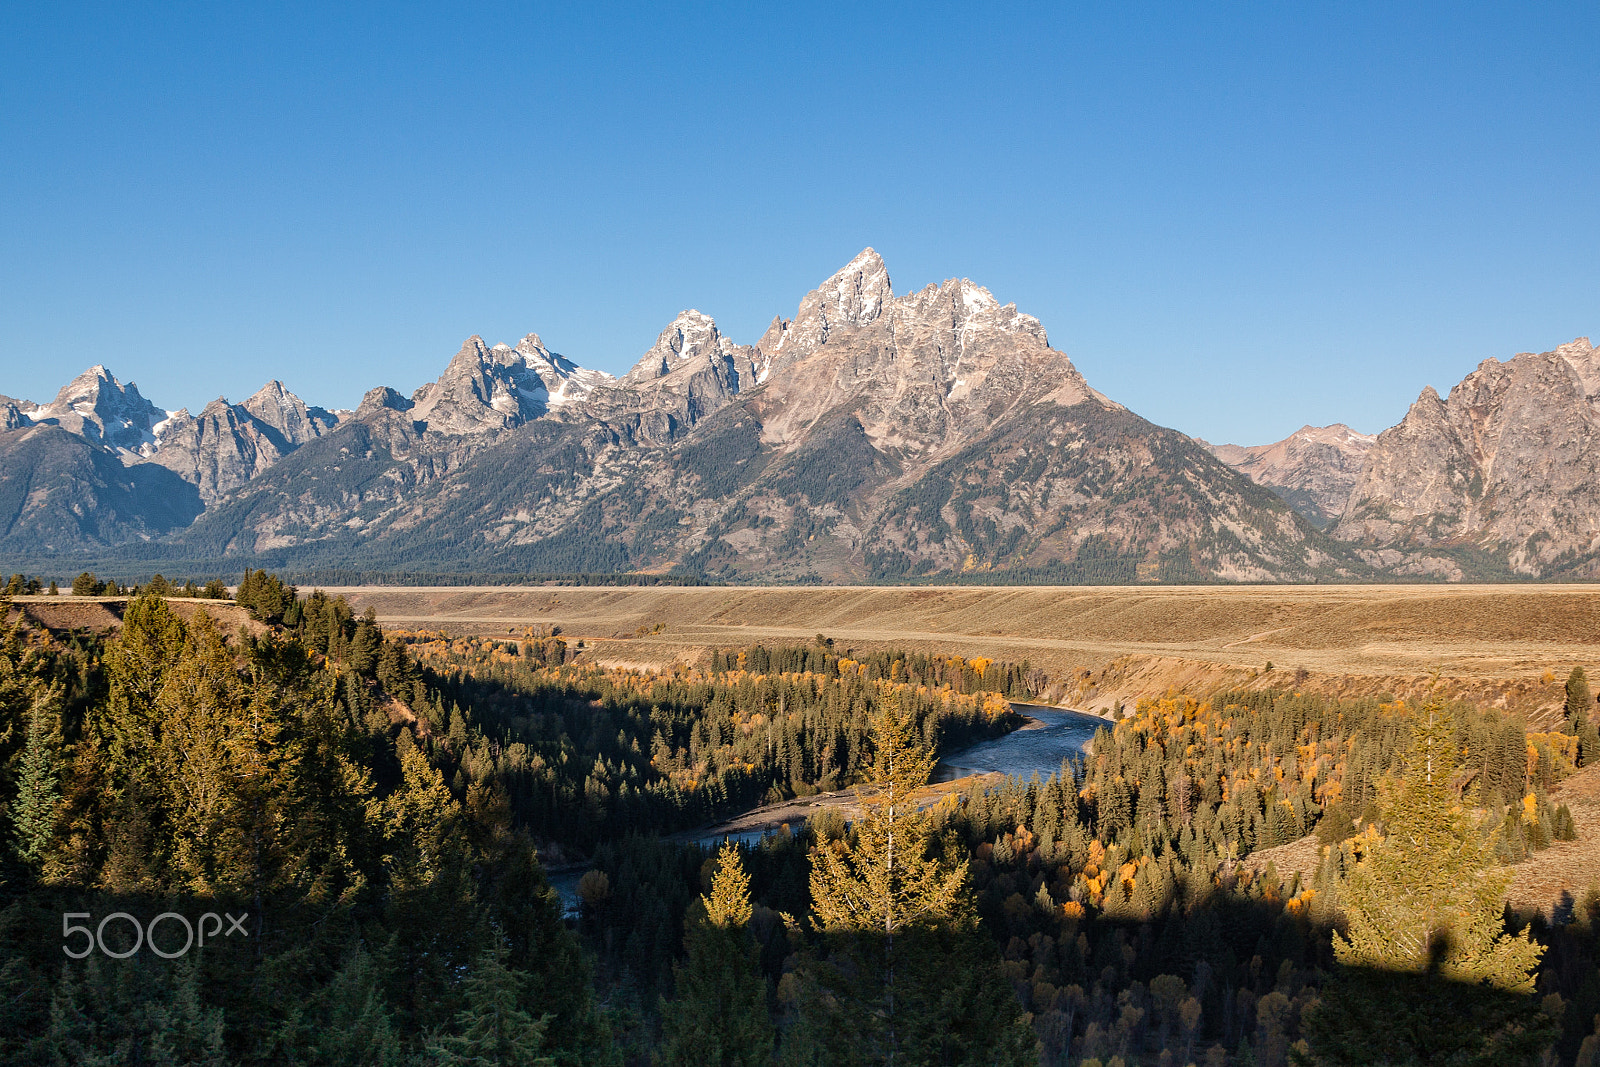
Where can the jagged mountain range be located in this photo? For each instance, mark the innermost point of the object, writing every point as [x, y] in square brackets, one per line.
[873, 436]
[1501, 479]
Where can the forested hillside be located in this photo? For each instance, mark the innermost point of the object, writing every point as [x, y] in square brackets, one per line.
[178, 769]
[352, 828]
[374, 820]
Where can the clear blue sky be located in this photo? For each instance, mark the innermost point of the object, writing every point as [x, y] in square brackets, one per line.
[1235, 219]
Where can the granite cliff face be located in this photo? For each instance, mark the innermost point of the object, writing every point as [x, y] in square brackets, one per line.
[227, 444]
[690, 372]
[485, 389]
[1508, 466]
[277, 409]
[922, 371]
[220, 449]
[93, 482]
[11, 413]
[1313, 469]
[97, 407]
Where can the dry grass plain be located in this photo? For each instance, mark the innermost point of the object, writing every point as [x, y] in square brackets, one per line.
[100, 614]
[1492, 644]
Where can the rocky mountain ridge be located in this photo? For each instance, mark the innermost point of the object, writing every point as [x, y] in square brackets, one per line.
[96, 406]
[689, 373]
[1506, 466]
[1313, 469]
[485, 389]
[218, 450]
[1501, 479]
[873, 436]
[869, 436]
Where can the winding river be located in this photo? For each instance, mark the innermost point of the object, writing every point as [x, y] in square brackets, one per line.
[1051, 736]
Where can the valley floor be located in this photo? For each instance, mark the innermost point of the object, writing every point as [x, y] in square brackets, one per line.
[1510, 646]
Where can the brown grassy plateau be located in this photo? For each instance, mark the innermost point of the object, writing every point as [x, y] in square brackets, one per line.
[103, 614]
[1508, 646]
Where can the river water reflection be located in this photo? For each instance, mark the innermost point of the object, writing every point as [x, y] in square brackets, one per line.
[1040, 747]
[1055, 735]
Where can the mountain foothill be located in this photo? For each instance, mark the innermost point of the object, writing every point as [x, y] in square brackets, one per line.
[876, 436]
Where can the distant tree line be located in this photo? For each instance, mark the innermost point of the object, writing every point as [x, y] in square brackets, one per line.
[87, 584]
[581, 578]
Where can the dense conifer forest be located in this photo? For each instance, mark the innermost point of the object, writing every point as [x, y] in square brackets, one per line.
[353, 827]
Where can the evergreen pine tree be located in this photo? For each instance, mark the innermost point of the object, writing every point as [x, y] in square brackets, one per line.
[1581, 719]
[223, 759]
[884, 880]
[363, 650]
[910, 981]
[1430, 897]
[133, 1012]
[1566, 829]
[346, 1024]
[186, 1031]
[1335, 825]
[37, 792]
[151, 642]
[1589, 741]
[421, 817]
[1579, 700]
[1427, 973]
[719, 1016]
[493, 1029]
